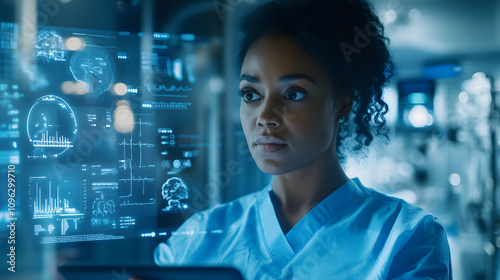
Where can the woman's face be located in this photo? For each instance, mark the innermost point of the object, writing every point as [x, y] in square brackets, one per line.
[288, 111]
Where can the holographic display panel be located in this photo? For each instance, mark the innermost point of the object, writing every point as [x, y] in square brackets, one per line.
[105, 133]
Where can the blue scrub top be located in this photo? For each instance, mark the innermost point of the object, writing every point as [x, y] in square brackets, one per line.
[354, 233]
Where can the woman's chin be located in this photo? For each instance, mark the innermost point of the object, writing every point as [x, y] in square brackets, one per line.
[272, 167]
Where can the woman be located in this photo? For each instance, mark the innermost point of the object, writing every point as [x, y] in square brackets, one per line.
[311, 83]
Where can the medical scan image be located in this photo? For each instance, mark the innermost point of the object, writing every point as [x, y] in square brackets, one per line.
[50, 47]
[95, 67]
[173, 191]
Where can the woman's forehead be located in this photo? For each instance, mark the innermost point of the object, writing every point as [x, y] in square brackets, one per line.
[280, 56]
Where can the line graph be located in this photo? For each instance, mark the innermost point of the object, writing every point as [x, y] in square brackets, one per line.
[133, 179]
[128, 162]
[138, 172]
[140, 123]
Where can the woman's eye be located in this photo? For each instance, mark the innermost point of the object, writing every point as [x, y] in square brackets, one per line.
[249, 96]
[294, 95]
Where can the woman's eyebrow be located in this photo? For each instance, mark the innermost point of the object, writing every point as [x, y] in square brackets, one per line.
[292, 77]
[249, 78]
[283, 79]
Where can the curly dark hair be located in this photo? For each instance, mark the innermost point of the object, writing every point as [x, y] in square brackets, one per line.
[348, 38]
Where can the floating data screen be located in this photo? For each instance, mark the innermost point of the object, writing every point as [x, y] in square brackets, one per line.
[107, 134]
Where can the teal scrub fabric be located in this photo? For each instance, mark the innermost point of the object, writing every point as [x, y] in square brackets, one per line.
[354, 233]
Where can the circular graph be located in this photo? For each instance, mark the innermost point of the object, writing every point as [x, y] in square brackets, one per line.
[94, 66]
[51, 126]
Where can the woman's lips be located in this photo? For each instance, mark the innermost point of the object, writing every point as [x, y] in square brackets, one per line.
[269, 148]
[269, 144]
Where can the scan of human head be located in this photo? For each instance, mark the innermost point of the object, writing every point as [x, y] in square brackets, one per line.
[173, 191]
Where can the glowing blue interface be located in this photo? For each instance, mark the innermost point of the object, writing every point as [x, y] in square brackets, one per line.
[106, 132]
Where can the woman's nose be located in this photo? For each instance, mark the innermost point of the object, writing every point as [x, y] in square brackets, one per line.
[270, 114]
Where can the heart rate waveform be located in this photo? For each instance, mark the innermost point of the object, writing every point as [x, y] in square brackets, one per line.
[137, 171]
[127, 163]
[133, 179]
[140, 123]
[127, 202]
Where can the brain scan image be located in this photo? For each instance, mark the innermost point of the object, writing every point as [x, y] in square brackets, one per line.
[173, 191]
[94, 66]
[51, 126]
[50, 47]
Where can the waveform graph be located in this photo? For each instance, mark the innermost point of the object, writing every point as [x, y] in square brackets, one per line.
[126, 162]
[138, 191]
[132, 146]
[51, 127]
[137, 170]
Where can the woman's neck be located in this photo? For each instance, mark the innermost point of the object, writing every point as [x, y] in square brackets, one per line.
[299, 191]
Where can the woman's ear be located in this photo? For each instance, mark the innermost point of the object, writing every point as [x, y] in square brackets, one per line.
[345, 104]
